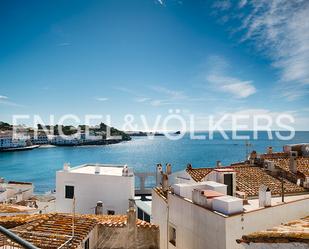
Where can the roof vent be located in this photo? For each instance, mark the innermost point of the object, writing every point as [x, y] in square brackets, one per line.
[66, 167]
[125, 170]
[99, 208]
[97, 169]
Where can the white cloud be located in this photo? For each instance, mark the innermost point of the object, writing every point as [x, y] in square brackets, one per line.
[142, 99]
[172, 94]
[101, 99]
[236, 87]
[4, 100]
[219, 78]
[281, 30]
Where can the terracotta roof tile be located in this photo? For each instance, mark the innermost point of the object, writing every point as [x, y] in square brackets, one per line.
[294, 231]
[301, 162]
[54, 229]
[249, 179]
[198, 174]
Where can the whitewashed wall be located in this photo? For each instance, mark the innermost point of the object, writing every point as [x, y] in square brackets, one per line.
[160, 216]
[199, 228]
[113, 191]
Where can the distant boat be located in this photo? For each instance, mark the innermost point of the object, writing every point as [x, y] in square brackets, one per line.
[20, 148]
[177, 132]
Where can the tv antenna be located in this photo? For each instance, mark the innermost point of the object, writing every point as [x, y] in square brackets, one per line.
[248, 146]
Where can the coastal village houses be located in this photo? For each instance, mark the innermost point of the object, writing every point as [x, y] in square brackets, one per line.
[259, 203]
[76, 231]
[213, 208]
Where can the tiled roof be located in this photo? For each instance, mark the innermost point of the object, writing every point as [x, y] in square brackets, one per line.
[160, 192]
[301, 162]
[294, 231]
[249, 179]
[274, 155]
[14, 208]
[48, 231]
[53, 230]
[198, 174]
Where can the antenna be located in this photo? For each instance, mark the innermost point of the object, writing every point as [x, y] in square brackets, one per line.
[248, 145]
[73, 220]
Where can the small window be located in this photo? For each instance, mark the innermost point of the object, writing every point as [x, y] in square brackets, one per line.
[69, 192]
[87, 244]
[110, 212]
[172, 235]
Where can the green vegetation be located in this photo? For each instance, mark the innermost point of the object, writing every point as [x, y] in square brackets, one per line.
[5, 126]
[68, 130]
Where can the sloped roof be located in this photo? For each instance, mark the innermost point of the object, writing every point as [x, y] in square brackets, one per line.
[249, 179]
[302, 164]
[50, 231]
[294, 231]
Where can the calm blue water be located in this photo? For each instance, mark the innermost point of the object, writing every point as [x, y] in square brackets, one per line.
[39, 165]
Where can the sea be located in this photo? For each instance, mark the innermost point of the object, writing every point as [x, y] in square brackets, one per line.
[141, 153]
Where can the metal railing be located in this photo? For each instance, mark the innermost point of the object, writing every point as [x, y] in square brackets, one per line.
[142, 176]
[9, 240]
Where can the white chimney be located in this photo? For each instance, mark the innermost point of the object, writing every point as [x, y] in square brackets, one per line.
[264, 196]
[66, 167]
[269, 150]
[168, 168]
[267, 198]
[158, 174]
[125, 170]
[293, 162]
[97, 169]
[99, 208]
[218, 164]
[164, 182]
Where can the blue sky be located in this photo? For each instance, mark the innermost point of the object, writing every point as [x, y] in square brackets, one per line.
[148, 56]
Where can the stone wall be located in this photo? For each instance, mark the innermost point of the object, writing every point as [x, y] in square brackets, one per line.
[118, 238]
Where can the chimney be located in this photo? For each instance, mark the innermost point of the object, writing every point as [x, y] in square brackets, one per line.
[125, 170]
[267, 198]
[269, 150]
[189, 166]
[168, 169]
[66, 167]
[99, 208]
[131, 225]
[218, 164]
[158, 174]
[164, 182]
[97, 169]
[293, 163]
[253, 155]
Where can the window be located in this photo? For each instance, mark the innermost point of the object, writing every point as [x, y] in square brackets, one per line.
[172, 235]
[87, 244]
[69, 192]
[110, 212]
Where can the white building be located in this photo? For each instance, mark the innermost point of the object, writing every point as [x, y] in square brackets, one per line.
[188, 224]
[291, 235]
[14, 192]
[198, 208]
[90, 183]
[7, 140]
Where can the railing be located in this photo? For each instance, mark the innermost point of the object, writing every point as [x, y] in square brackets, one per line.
[9, 240]
[142, 190]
